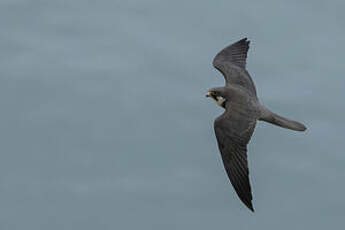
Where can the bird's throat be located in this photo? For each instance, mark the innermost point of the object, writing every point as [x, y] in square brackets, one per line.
[219, 101]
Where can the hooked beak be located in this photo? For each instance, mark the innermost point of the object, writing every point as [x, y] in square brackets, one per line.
[208, 94]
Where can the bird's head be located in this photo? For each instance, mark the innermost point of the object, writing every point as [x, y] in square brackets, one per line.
[218, 95]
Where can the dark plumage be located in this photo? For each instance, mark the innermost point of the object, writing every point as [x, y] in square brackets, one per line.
[236, 125]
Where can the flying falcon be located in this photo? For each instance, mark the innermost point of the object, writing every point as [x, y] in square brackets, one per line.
[236, 125]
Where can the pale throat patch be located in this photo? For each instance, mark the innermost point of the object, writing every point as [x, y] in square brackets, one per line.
[219, 100]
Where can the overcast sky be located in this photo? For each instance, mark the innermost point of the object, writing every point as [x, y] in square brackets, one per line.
[104, 123]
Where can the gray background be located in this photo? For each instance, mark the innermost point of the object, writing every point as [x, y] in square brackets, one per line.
[104, 123]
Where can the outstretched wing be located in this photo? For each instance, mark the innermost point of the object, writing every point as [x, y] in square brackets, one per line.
[231, 62]
[233, 131]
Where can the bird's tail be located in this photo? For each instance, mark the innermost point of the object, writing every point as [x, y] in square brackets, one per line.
[275, 119]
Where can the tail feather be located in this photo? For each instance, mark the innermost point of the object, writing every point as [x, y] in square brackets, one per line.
[275, 119]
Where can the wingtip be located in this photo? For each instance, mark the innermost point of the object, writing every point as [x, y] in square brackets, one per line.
[248, 203]
[250, 206]
[245, 41]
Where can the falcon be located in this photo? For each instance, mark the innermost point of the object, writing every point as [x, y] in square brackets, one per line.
[234, 128]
